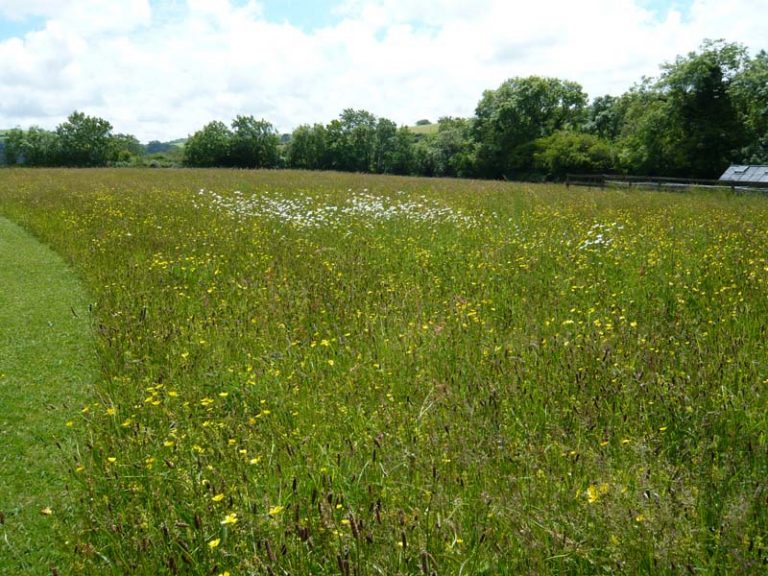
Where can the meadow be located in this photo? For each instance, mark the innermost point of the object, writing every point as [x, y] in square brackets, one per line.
[317, 373]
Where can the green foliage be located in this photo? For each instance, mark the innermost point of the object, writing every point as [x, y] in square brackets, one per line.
[35, 147]
[749, 91]
[568, 151]
[352, 141]
[254, 143]
[401, 158]
[385, 147]
[701, 115]
[307, 148]
[450, 151]
[83, 141]
[211, 146]
[521, 110]
[126, 150]
[648, 144]
[605, 117]
[157, 147]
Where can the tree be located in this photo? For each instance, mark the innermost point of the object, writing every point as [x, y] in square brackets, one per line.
[384, 146]
[401, 157]
[702, 116]
[307, 148]
[749, 91]
[253, 143]
[510, 118]
[351, 141]
[13, 147]
[605, 117]
[126, 149]
[448, 152]
[210, 146]
[568, 151]
[648, 141]
[84, 141]
[155, 147]
[35, 147]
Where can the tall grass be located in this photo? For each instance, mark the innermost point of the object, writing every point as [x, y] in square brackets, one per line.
[334, 374]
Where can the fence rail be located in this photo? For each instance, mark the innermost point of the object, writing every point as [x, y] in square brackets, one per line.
[618, 180]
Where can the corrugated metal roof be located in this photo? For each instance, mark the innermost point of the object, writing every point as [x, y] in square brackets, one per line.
[746, 174]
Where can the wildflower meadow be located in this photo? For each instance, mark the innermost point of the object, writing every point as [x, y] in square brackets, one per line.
[317, 373]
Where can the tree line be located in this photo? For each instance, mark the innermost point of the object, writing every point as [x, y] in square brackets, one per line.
[704, 111]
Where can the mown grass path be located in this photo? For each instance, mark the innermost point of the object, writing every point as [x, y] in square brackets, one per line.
[47, 363]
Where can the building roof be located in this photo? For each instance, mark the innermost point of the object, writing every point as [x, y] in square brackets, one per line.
[746, 174]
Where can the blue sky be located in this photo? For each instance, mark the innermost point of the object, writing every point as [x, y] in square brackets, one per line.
[161, 69]
[306, 15]
[15, 28]
[662, 7]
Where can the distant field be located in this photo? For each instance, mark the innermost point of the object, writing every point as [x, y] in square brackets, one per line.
[425, 129]
[308, 373]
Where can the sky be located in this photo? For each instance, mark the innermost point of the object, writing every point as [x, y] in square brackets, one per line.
[162, 69]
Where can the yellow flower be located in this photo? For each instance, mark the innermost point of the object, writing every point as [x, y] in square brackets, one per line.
[230, 518]
[218, 498]
[595, 491]
[214, 543]
[275, 510]
[111, 459]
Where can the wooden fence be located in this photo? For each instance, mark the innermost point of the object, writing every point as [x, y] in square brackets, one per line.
[621, 181]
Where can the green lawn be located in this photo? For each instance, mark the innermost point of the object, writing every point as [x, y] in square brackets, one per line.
[47, 365]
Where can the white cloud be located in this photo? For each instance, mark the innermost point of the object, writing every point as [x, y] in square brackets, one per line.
[163, 69]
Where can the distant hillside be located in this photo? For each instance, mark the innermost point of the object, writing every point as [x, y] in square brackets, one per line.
[424, 128]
